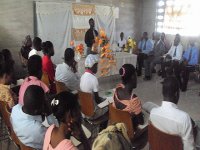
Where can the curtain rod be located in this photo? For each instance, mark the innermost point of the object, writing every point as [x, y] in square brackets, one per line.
[64, 1]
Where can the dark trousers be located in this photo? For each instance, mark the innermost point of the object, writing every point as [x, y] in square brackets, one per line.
[171, 67]
[147, 66]
[185, 72]
[140, 62]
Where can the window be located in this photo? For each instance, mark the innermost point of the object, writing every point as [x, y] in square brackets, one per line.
[178, 16]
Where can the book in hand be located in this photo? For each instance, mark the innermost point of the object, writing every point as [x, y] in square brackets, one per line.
[105, 102]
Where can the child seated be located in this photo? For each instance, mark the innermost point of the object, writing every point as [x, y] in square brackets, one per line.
[6, 74]
[124, 97]
[27, 120]
[34, 78]
[66, 109]
[47, 64]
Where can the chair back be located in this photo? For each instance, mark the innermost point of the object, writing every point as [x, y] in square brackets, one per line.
[60, 87]
[45, 79]
[118, 116]
[6, 117]
[87, 103]
[160, 140]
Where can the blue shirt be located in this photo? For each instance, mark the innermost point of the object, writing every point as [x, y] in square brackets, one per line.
[29, 129]
[145, 49]
[194, 55]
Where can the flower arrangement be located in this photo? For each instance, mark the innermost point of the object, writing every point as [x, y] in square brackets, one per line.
[79, 49]
[107, 60]
[130, 45]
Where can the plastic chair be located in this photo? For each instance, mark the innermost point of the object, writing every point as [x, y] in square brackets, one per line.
[159, 140]
[116, 116]
[45, 79]
[138, 139]
[60, 87]
[88, 109]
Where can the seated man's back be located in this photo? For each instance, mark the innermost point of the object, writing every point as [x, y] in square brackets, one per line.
[169, 119]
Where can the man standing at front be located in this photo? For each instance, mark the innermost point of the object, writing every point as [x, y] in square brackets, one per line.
[90, 35]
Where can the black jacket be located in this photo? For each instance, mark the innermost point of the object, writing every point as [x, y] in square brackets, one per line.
[89, 37]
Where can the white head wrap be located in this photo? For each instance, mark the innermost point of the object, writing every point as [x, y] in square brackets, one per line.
[91, 60]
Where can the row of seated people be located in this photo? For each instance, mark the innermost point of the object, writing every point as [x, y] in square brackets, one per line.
[34, 106]
[167, 117]
[152, 53]
[91, 84]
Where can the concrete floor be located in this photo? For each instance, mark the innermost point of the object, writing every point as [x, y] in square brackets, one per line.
[151, 91]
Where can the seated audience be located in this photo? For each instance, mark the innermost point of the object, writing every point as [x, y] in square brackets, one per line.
[145, 47]
[124, 97]
[89, 83]
[160, 48]
[47, 64]
[36, 50]
[27, 120]
[172, 57]
[169, 119]
[34, 78]
[154, 38]
[66, 109]
[67, 72]
[6, 75]
[25, 49]
[121, 42]
[8, 57]
[190, 60]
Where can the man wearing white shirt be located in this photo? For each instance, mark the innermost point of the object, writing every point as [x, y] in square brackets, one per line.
[174, 55]
[176, 51]
[36, 50]
[171, 120]
[121, 42]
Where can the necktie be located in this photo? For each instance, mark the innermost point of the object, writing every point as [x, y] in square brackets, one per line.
[144, 47]
[190, 55]
[175, 52]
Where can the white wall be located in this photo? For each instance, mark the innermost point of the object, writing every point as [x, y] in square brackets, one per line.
[17, 21]
[148, 16]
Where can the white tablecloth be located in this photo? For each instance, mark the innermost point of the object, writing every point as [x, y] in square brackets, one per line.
[121, 58]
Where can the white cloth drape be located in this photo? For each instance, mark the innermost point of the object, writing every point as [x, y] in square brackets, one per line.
[105, 19]
[54, 23]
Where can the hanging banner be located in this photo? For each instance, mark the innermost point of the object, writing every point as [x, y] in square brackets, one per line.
[78, 34]
[83, 9]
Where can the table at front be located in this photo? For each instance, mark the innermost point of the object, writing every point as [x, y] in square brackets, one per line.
[121, 59]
